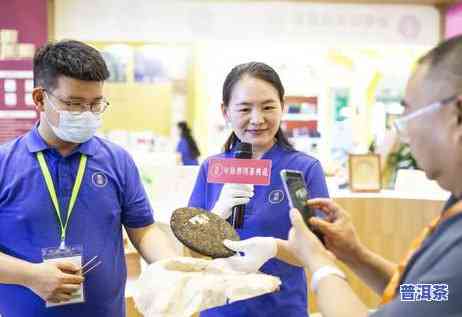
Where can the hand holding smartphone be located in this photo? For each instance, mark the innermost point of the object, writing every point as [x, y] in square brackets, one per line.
[297, 193]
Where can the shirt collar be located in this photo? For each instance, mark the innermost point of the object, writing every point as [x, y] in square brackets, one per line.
[451, 201]
[272, 153]
[36, 143]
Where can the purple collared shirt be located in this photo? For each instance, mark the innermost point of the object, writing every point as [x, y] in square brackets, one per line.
[111, 195]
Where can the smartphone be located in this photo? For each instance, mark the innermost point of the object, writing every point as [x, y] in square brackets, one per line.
[297, 194]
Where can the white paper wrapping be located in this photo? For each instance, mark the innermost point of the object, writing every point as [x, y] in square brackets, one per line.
[180, 287]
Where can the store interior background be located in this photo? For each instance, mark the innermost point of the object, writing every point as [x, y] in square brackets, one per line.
[344, 65]
[169, 59]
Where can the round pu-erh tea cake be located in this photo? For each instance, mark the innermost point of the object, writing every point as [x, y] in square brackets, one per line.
[203, 232]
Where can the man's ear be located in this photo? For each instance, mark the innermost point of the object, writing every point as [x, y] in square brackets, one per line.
[459, 110]
[459, 120]
[38, 97]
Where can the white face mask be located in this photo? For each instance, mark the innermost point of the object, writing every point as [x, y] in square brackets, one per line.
[76, 128]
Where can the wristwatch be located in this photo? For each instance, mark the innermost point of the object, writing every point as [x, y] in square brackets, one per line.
[323, 272]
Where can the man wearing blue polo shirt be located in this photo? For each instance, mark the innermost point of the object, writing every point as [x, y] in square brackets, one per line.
[65, 195]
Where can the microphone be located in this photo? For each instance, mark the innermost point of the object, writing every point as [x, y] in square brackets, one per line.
[243, 151]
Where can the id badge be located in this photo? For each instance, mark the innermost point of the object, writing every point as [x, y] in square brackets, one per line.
[72, 254]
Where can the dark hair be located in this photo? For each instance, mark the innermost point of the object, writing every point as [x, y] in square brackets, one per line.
[68, 58]
[259, 71]
[445, 57]
[186, 134]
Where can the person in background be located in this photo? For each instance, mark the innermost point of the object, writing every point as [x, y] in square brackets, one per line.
[187, 147]
[428, 281]
[253, 104]
[64, 189]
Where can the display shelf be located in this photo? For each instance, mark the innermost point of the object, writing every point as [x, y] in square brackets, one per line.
[300, 117]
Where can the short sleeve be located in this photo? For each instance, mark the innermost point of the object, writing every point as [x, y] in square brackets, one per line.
[136, 210]
[198, 195]
[445, 271]
[316, 181]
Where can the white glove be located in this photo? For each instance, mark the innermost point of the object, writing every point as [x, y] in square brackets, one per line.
[232, 195]
[256, 251]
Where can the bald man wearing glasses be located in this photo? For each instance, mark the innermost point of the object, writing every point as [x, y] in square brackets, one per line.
[428, 281]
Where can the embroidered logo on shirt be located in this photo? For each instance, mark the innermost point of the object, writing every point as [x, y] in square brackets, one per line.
[99, 179]
[276, 196]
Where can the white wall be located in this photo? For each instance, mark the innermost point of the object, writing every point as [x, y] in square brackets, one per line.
[186, 21]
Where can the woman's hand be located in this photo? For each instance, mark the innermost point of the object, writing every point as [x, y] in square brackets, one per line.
[232, 195]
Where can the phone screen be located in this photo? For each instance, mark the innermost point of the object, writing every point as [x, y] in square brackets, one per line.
[297, 192]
